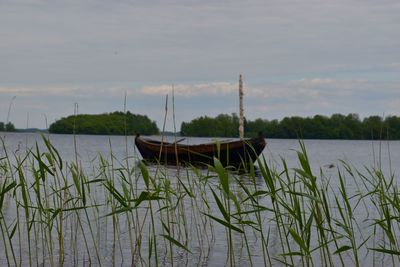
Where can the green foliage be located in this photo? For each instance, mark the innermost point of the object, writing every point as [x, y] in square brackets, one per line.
[337, 126]
[222, 125]
[116, 123]
[9, 127]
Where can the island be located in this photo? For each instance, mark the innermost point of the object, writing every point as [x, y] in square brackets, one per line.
[115, 123]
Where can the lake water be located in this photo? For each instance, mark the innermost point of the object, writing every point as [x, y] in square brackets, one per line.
[322, 153]
[114, 245]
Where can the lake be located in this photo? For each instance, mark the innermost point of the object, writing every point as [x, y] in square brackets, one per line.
[321, 152]
[99, 209]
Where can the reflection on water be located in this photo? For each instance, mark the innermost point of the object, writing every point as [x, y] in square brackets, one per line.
[117, 232]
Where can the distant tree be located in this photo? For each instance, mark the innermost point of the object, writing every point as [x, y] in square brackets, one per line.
[353, 127]
[373, 128]
[252, 128]
[10, 127]
[2, 128]
[392, 127]
[223, 125]
[292, 127]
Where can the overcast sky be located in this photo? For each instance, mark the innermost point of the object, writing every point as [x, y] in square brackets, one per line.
[298, 57]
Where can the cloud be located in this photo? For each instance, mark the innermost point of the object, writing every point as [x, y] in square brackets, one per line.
[312, 88]
[308, 88]
[393, 106]
[394, 66]
[75, 41]
[190, 90]
[315, 88]
[28, 91]
[95, 51]
[63, 91]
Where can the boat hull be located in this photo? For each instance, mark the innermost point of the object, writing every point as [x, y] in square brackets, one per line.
[235, 153]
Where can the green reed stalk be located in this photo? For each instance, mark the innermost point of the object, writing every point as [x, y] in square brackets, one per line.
[5, 188]
[113, 207]
[269, 179]
[147, 179]
[6, 237]
[168, 228]
[129, 216]
[258, 209]
[346, 214]
[26, 205]
[314, 224]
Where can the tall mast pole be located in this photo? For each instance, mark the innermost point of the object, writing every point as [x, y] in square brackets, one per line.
[241, 117]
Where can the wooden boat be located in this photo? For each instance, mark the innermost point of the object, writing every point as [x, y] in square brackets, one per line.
[231, 153]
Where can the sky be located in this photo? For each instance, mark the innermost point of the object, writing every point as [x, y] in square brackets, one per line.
[297, 57]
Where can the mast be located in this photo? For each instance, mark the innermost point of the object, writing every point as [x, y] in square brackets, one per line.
[241, 118]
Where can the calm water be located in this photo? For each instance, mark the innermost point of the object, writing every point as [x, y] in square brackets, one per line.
[324, 155]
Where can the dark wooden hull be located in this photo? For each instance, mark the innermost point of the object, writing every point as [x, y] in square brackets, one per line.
[234, 153]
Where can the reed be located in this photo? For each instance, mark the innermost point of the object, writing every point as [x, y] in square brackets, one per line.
[121, 212]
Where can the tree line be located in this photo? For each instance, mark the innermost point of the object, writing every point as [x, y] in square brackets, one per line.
[337, 126]
[7, 127]
[223, 125]
[115, 123]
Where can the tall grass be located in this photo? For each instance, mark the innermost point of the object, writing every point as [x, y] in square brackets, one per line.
[121, 212]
